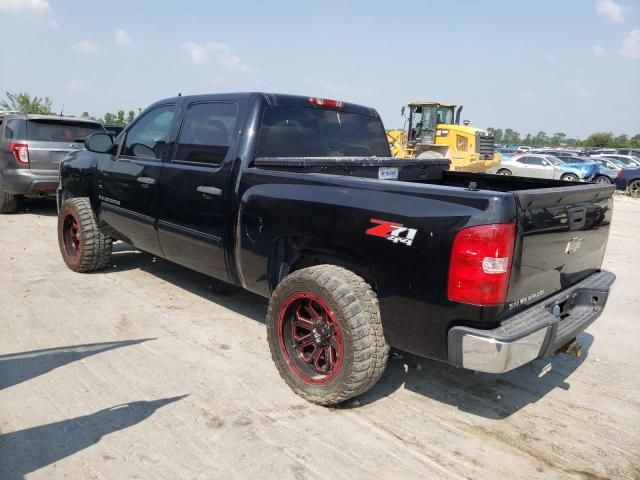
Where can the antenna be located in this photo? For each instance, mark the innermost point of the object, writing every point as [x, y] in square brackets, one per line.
[62, 109]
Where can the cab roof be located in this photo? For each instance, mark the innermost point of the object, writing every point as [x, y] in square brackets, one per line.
[419, 104]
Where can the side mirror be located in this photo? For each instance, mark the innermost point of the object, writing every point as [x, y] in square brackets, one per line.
[402, 111]
[99, 142]
[545, 163]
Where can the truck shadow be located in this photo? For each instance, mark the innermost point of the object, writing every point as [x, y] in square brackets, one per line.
[493, 396]
[37, 206]
[487, 395]
[20, 367]
[28, 450]
[229, 296]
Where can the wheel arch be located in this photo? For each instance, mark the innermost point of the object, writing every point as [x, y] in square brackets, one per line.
[291, 253]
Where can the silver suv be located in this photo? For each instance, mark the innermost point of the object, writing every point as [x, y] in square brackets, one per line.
[31, 148]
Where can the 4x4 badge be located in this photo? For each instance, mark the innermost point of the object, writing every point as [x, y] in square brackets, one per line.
[392, 231]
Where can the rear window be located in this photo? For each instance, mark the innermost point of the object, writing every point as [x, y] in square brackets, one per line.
[60, 131]
[310, 132]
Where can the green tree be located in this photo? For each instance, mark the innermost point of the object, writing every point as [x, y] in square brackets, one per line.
[621, 140]
[558, 138]
[600, 139]
[634, 142]
[26, 103]
[119, 117]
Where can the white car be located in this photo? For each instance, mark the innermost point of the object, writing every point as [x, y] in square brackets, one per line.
[628, 160]
[523, 149]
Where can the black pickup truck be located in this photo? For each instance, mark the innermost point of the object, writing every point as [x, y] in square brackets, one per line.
[296, 199]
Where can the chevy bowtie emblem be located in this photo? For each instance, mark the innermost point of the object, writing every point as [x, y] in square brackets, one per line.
[573, 245]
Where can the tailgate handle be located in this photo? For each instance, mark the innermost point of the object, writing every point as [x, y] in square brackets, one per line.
[209, 190]
[577, 217]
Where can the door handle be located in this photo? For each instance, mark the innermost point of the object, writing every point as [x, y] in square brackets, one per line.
[209, 190]
[146, 180]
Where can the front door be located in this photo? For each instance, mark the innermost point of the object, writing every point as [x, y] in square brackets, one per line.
[194, 189]
[128, 182]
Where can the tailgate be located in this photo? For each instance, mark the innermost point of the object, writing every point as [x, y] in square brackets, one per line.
[562, 237]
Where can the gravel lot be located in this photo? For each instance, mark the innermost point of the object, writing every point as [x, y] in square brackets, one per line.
[148, 370]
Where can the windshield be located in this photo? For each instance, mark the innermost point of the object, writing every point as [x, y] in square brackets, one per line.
[627, 162]
[311, 132]
[554, 161]
[60, 131]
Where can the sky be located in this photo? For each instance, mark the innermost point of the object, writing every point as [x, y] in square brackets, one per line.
[569, 66]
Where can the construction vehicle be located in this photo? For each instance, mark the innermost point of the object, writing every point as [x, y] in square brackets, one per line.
[433, 130]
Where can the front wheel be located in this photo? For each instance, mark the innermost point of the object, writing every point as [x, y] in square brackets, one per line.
[602, 179]
[570, 177]
[634, 188]
[83, 246]
[325, 334]
[504, 171]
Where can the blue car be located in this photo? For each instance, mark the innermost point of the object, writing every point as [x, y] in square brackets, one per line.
[585, 168]
[607, 171]
[629, 179]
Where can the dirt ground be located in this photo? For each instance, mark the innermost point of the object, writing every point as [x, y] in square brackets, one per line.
[150, 371]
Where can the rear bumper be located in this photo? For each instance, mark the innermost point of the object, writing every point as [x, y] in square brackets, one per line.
[534, 332]
[23, 181]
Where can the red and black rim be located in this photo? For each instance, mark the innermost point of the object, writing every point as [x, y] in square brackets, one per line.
[310, 337]
[71, 235]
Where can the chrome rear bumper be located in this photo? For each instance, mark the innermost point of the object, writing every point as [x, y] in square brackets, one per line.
[532, 333]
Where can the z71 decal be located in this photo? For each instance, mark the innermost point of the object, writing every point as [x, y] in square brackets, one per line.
[392, 231]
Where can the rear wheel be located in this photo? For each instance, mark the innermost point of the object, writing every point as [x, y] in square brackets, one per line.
[634, 188]
[325, 334]
[504, 171]
[83, 246]
[8, 202]
[602, 179]
[570, 177]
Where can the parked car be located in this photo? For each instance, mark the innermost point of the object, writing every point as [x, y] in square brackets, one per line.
[628, 160]
[546, 166]
[31, 147]
[628, 179]
[113, 129]
[267, 192]
[606, 173]
[629, 151]
[561, 154]
[523, 148]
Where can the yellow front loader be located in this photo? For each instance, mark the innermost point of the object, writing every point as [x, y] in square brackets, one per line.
[433, 130]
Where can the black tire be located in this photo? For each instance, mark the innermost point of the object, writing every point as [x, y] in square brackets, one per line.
[8, 202]
[602, 179]
[570, 177]
[634, 188]
[83, 246]
[352, 307]
[504, 171]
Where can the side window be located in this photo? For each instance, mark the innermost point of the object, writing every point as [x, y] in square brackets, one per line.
[535, 161]
[205, 135]
[524, 160]
[148, 137]
[16, 129]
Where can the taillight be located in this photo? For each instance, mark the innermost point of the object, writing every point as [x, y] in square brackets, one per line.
[619, 173]
[20, 151]
[480, 266]
[326, 102]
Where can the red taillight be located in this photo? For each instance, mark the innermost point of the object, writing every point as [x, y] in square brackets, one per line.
[481, 264]
[20, 151]
[326, 102]
[619, 173]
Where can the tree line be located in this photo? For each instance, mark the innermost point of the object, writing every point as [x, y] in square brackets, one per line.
[27, 103]
[24, 102]
[509, 136]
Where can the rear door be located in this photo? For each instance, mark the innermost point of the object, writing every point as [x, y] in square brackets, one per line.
[51, 140]
[535, 167]
[127, 182]
[194, 188]
[562, 236]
